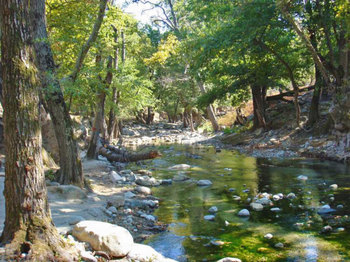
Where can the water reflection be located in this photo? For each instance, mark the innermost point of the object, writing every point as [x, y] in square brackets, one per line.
[191, 238]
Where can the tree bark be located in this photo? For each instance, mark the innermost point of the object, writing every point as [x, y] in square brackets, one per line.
[259, 96]
[291, 77]
[210, 110]
[28, 224]
[112, 121]
[53, 100]
[114, 154]
[99, 122]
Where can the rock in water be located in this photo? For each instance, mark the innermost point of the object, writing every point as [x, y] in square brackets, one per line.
[180, 167]
[213, 209]
[257, 206]
[302, 178]
[116, 241]
[268, 236]
[244, 213]
[209, 217]
[229, 259]
[143, 190]
[143, 253]
[204, 183]
[333, 187]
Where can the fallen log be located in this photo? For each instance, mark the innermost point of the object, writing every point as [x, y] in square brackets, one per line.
[114, 154]
[288, 93]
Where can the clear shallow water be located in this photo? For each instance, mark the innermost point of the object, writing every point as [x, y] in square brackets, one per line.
[184, 204]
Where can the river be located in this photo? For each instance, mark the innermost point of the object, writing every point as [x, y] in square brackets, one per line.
[297, 226]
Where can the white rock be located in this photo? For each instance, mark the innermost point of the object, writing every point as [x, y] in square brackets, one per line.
[204, 183]
[115, 177]
[333, 186]
[209, 217]
[88, 257]
[213, 209]
[276, 197]
[268, 236]
[143, 253]
[302, 178]
[147, 181]
[143, 190]
[112, 239]
[275, 209]
[244, 213]
[257, 206]
[180, 167]
[229, 259]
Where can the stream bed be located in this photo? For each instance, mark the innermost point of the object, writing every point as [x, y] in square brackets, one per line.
[301, 230]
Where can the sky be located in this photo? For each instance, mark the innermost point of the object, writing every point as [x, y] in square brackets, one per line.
[140, 11]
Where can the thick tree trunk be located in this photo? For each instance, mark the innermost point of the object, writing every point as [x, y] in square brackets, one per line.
[210, 110]
[28, 224]
[53, 101]
[259, 96]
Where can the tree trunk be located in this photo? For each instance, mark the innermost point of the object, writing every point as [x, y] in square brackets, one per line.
[114, 154]
[283, 6]
[53, 101]
[210, 110]
[99, 122]
[112, 121]
[259, 96]
[314, 114]
[28, 224]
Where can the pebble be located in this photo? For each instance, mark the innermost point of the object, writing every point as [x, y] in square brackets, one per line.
[143, 190]
[257, 206]
[209, 217]
[268, 236]
[276, 197]
[275, 209]
[340, 229]
[213, 209]
[327, 229]
[244, 213]
[291, 196]
[340, 206]
[279, 245]
[236, 198]
[333, 186]
[302, 178]
[204, 183]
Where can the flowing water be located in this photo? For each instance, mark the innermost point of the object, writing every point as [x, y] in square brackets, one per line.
[297, 226]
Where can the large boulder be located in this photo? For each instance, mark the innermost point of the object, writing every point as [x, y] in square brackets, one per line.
[116, 241]
[143, 253]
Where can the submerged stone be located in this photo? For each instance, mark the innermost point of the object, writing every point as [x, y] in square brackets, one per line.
[244, 213]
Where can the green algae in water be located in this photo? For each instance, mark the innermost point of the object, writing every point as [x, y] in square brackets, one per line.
[191, 238]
